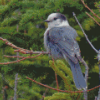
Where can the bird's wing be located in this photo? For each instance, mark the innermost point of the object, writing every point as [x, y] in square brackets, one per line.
[64, 39]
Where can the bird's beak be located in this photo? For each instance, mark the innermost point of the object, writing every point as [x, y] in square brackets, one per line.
[47, 21]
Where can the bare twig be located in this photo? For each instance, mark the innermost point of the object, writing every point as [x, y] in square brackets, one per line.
[90, 9]
[92, 18]
[31, 52]
[22, 56]
[56, 76]
[5, 63]
[21, 50]
[85, 34]
[98, 57]
[10, 44]
[59, 89]
[83, 62]
[13, 56]
[98, 52]
[15, 88]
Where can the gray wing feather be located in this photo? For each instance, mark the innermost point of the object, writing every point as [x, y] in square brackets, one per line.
[64, 38]
[77, 75]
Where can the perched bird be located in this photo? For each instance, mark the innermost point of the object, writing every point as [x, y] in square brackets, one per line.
[60, 41]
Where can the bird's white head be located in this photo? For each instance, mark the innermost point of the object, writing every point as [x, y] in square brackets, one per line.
[56, 20]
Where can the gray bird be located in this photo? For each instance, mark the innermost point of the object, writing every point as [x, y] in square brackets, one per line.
[60, 41]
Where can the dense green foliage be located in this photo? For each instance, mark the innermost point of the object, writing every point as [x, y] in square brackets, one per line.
[22, 23]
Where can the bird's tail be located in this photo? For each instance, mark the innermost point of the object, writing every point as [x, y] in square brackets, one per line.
[77, 75]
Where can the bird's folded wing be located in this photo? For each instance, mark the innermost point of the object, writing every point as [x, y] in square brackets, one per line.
[64, 39]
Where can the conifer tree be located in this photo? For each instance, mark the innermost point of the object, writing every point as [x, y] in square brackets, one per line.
[22, 23]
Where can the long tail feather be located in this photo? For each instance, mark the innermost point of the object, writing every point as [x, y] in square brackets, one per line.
[77, 75]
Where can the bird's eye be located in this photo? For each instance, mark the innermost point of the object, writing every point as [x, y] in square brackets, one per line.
[55, 18]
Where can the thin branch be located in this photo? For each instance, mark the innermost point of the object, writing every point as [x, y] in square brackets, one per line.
[85, 34]
[86, 67]
[52, 87]
[92, 18]
[6, 63]
[15, 88]
[86, 73]
[10, 44]
[17, 55]
[31, 52]
[35, 56]
[59, 89]
[13, 56]
[21, 50]
[22, 56]
[56, 76]
[89, 9]
[98, 52]
[20, 59]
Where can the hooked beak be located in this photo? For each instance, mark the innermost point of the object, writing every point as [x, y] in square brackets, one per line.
[47, 21]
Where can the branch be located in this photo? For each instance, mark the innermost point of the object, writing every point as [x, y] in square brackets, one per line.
[20, 60]
[92, 18]
[59, 89]
[15, 88]
[13, 56]
[6, 63]
[89, 9]
[23, 56]
[32, 52]
[55, 75]
[85, 34]
[98, 52]
[21, 50]
[10, 44]
[53, 88]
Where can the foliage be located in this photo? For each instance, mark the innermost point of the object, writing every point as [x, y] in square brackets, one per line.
[21, 22]
[61, 69]
[65, 73]
[59, 96]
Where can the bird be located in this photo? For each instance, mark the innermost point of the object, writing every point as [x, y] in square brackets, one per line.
[60, 41]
